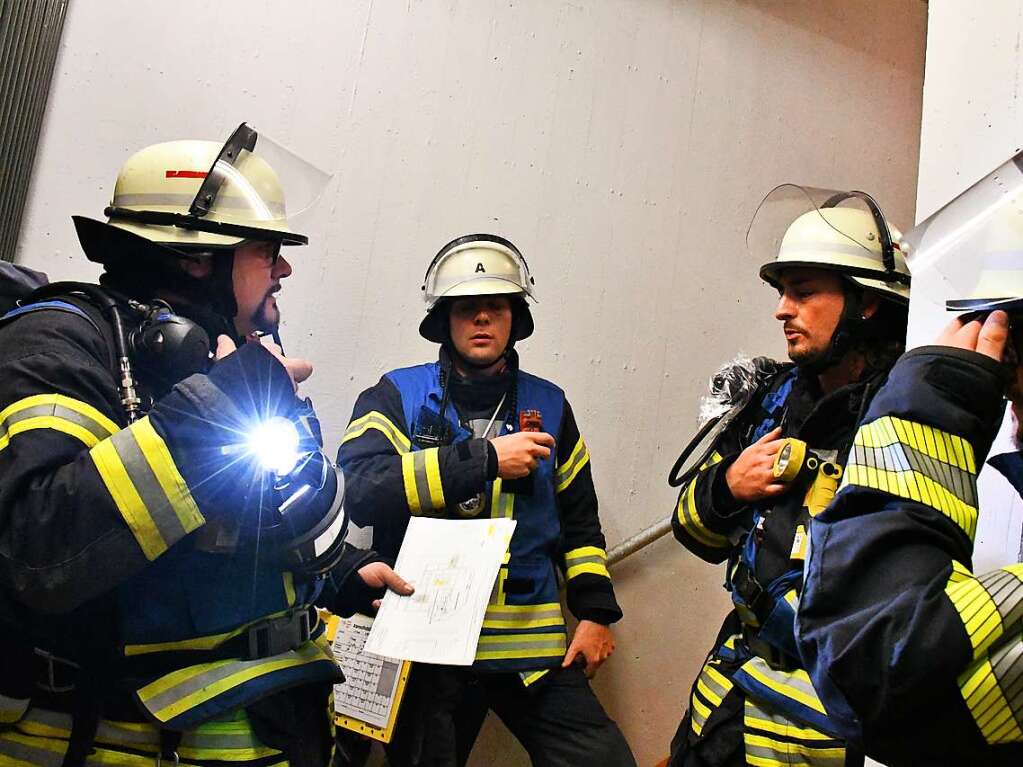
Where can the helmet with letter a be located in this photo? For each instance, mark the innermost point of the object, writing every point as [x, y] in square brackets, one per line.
[476, 265]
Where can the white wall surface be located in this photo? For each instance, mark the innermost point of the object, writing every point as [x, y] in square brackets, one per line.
[972, 122]
[623, 145]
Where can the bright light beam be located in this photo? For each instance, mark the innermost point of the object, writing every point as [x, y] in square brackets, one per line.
[274, 443]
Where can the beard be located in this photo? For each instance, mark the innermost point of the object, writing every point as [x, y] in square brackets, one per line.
[267, 317]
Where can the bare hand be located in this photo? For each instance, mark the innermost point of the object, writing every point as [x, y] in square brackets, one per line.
[751, 477]
[594, 642]
[518, 454]
[379, 574]
[988, 338]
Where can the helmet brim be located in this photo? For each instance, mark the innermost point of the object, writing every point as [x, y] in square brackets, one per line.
[871, 279]
[434, 326]
[109, 245]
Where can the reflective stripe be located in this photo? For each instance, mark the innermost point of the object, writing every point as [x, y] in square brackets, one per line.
[919, 463]
[141, 477]
[506, 646]
[12, 709]
[167, 199]
[772, 740]
[532, 677]
[420, 472]
[208, 642]
[230, 738]
[523, 616]
[987, 604]
[795, 684]
[689, 518]
[993, 690]
[57, 412]
[567, 472]
[709, 691]
[502, 505]
[188, 688]
[763, 718]
[377, 420]
[588, 559]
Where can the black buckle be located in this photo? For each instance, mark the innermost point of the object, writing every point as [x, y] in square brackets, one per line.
[58, 675]
[278, 635]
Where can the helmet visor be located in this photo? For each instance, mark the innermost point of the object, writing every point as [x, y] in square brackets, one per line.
[968, 256]
[803, 226]
[477, 265]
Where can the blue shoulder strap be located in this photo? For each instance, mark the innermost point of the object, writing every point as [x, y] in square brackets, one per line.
[62, 306]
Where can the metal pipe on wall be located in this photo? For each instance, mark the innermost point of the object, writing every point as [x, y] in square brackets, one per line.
[30, 32]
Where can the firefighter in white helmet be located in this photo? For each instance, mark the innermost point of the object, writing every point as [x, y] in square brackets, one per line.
[168, 518]
[843, 290]
[469, 436]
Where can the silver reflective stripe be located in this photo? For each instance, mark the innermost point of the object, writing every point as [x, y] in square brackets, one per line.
[58, 411]
[902, 457]
[1006, 591]
[1007, 665]
[147, 485]
[223, 202]
[504, 613]
[491, 646]
[422, 483]
[39, 757]
[720, 690]
[597, 560]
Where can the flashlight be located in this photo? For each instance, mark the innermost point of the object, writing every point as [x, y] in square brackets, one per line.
[275, 445]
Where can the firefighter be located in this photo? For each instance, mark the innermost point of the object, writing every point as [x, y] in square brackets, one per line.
[473, 436]
[919, 658]
[167, 524]
[843, 292]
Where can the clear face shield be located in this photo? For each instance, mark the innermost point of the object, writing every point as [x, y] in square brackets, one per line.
[242, 194]
[801, 226]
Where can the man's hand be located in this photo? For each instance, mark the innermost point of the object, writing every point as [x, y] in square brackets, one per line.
[594, 642]
[376, 575]
[518, 454]
[298, 368]
[751, 477]
[988, 338]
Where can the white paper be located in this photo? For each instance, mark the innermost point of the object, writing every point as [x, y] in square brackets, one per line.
[368, 692]
[453, 565]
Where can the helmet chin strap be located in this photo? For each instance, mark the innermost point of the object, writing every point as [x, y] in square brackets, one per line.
[847, 332]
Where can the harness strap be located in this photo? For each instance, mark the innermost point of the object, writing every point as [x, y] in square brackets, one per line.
[62, 306]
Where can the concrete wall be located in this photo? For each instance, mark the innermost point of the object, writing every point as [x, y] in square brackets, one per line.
[972, 122]
[622, 144]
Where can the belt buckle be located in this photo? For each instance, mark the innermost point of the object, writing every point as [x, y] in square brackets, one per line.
[278, 635]
[49, 684]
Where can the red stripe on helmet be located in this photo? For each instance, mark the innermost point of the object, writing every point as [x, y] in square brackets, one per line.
[186, 174]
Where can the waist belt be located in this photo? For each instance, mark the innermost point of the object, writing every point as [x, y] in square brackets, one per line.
[756, 602]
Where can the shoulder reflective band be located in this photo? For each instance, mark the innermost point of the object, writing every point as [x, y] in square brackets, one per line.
[55, 411]
[587, 559]
[566, 473]
[919, 463]
[709, 691]
[518, 646]
[524, 617]
[993, 690]
[772, 740]
[377, 420]
[688, 515]
[986, 604]
[145, 484]
[420, 471]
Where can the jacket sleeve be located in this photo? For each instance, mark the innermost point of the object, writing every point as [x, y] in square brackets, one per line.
[589, 593]
[902, 641]
[344, 592]
[85, 503]
[388, 479]
[707, 519]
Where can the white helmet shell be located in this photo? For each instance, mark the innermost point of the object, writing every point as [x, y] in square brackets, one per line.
[477, 265]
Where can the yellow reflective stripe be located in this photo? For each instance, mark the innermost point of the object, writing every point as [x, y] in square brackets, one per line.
[502, 505]
[408, 474]
[689, 518]
[183, 690]
[535, 676]
[986, 604]
[57, 413]
[781, 683]
[174, 487]
[919, 463]
[701, 709]
[715, 457]
[510, 646]
[208, 642]
[70, 428]
[59, 400]
[993, 713]
[377, 420]
[523, 617]
[289, 588]
[586, 559]
[566, 473]
[762, 751]
[145, 485]
[792, 597]
[433, 477]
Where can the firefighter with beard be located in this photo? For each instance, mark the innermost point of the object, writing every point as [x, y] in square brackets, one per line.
[168, 521]
[916, 649]
[474, 436]
[843, 293]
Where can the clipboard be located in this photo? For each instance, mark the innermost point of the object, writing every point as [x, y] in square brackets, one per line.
[369, 699]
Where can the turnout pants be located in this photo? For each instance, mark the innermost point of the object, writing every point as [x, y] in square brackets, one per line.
[558, 719]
